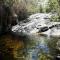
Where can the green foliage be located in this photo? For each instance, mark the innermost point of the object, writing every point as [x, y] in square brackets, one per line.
[53, 5]
[45, 57]
[8, 2]
[25, 7]
[41, 9]
[55, 18]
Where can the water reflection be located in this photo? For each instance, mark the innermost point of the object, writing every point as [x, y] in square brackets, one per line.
[42, 47]
[34, 47]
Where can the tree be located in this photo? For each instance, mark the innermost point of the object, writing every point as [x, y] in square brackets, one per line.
[6, 19]
[54, 7]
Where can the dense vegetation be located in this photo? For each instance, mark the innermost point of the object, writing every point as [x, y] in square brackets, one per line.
[21, 9]
[24, 7]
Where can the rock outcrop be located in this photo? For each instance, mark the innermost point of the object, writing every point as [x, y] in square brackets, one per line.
[38, 23]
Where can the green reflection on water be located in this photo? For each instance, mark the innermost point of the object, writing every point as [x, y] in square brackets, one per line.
[30, 45]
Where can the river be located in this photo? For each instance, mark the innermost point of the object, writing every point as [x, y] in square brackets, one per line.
[42, 47]
[35, 47]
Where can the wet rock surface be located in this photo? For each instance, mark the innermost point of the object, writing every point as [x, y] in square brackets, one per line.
[39, 22]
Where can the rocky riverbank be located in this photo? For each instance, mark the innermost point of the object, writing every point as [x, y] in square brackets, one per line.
[37, 23]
